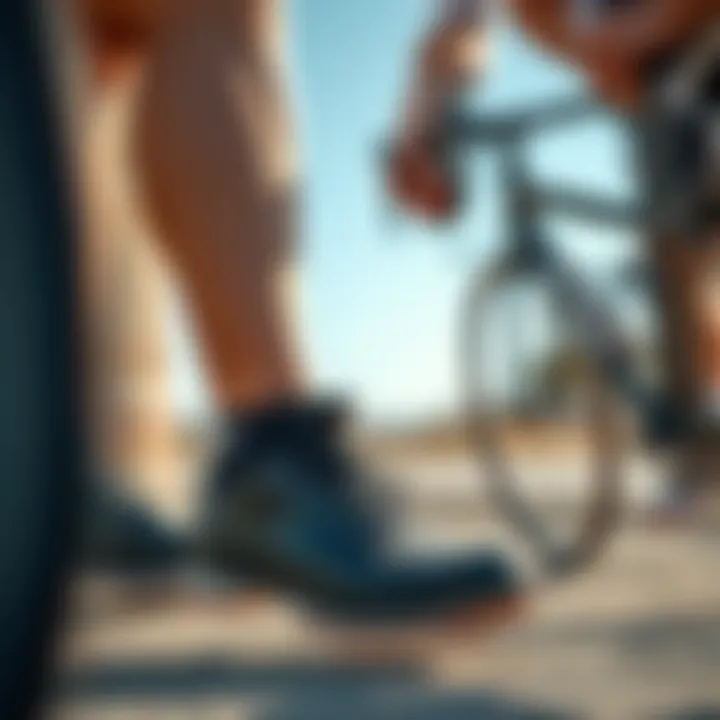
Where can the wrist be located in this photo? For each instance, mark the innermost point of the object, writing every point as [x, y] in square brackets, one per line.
[452, 58]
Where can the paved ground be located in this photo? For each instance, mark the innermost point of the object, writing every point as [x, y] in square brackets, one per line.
[639, 637]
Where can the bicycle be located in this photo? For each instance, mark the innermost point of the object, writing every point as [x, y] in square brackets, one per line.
[674, 200]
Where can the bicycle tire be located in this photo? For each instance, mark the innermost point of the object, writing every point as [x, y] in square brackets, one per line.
[600, 513]
[40, 448]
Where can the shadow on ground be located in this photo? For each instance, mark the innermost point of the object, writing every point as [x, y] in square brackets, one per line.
[654, 651]
[678, 643]
[297, 691]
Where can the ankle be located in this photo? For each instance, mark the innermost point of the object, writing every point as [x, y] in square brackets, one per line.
[259, 396]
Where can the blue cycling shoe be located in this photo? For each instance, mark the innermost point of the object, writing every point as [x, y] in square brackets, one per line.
[287, 511]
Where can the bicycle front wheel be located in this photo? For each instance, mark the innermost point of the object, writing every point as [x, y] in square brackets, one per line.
[545, 422]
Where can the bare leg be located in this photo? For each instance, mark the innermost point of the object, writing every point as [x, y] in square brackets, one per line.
[708, 301]
[216, 160]
[688, 278]
[688, 286]
[132, 314]
[126, 299]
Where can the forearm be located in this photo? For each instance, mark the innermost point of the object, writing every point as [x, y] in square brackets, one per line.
[454, 48]
[450, 55]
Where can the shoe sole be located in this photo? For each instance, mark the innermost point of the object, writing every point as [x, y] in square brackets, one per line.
[365, 644]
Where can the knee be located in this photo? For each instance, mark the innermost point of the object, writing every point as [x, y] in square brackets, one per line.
[118, 33]
[128, 21]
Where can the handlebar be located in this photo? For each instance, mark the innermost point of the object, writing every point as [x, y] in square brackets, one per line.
[502, 128]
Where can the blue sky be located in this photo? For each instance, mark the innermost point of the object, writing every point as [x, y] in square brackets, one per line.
[382, 295]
